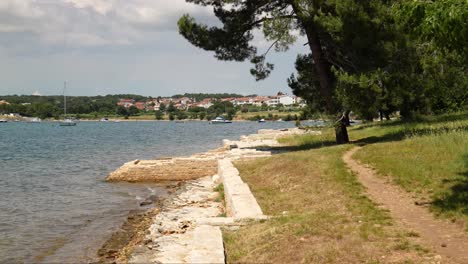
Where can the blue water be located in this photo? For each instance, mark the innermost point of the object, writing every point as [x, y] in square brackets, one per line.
[54, 200]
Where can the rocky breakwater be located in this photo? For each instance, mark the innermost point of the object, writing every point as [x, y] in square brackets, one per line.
[187, 229]
[202, 164]
[168, 169]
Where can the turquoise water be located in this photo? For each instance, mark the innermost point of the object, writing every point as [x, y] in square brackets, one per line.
[54, 200]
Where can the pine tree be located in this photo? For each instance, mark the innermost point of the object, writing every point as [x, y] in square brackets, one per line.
[329, 26]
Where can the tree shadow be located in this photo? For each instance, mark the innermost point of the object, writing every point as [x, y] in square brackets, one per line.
[388, 137]
[456, 198]
[418, 120]
[307, 146]
[302, 147]
[396, 135]
[409, 132]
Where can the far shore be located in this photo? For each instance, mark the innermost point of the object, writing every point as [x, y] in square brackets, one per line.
[23, 119]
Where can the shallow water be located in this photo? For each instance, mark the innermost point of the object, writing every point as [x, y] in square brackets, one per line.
[54, 201]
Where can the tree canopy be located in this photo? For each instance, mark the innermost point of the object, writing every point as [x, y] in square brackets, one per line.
[370, 57]
[344, 37]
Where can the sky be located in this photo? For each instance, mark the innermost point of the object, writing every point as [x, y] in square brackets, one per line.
[118, 47]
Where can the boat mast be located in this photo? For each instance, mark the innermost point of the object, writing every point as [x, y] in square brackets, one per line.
[64, 100]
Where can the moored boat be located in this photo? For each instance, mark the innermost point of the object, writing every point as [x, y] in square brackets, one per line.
[66, 121]
[220, 120]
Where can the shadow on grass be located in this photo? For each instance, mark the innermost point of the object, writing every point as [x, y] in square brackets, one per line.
[388, 137]
[457, 198]
[410, 132]
[307, 146]
[403, 129]
[425, 120]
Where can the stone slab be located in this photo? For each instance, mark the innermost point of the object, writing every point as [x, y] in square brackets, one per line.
[207, 245]
[240, 202]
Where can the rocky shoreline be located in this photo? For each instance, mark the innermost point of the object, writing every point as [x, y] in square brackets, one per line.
[186, 227]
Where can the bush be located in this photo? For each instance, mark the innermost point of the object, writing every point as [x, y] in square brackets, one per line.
[158, 115]
[202, 115]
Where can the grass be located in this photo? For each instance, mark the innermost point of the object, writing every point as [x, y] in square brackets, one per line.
[221, 199]
[428, 158]
[220, 190]
[320, 213]
[433, 167]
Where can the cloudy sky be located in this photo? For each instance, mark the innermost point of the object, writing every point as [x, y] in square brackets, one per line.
[118, 46]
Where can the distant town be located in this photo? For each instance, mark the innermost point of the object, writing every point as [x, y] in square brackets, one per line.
[186, 106]
[184, 103]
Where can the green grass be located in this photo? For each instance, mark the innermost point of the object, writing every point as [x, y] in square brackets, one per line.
[220, 190]
[433, 167]
[428, 158]
[320, 213]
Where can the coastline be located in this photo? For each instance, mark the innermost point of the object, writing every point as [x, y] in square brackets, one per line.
[133, 230]
[196, 208]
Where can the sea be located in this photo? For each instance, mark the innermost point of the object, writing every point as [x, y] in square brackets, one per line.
[55, 205]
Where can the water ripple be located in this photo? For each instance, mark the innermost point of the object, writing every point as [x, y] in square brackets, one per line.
[51, 178]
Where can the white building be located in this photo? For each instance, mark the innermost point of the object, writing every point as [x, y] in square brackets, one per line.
[242, 101]
[205, 103]
[287, 100]
[273, 101]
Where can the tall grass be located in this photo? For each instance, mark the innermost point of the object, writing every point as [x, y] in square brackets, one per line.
[433, 166]
[427, 157]
[320, 213]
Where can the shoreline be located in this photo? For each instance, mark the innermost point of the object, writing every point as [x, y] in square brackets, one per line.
[113, 120]
[195, 201]
[133, 230]
[101, 205]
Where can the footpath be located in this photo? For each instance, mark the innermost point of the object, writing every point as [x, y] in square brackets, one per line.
[443, 237]
[188, 227]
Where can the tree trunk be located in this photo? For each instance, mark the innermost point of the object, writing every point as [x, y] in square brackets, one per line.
[346, 118]
[387, 116]
[341, 134]
[323, 69]
[321, 66]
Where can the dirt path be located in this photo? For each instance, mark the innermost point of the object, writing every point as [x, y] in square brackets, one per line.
[445, 238]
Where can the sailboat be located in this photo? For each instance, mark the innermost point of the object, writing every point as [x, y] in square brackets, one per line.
[66, 121]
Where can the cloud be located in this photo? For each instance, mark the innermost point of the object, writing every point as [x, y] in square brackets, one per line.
[119, 46]
[85, 23]
[20, 8]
